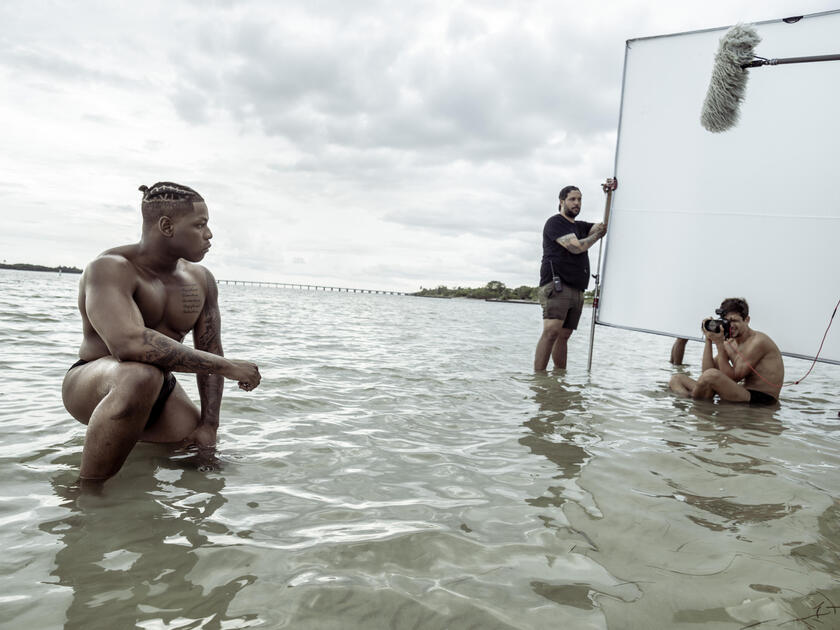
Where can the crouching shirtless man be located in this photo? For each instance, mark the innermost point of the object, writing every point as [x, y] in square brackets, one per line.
[137, 303]
[747, 355]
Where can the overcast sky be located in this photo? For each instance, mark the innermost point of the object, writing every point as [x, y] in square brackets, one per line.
[369, 144]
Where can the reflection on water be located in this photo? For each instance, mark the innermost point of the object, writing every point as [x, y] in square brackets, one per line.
[559, 432]
[723, 430]
[730, 513]
[684, 504]
[402, 467]
[127, 555]
[555, 430]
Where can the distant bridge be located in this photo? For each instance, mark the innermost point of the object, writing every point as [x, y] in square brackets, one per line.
[311, 287]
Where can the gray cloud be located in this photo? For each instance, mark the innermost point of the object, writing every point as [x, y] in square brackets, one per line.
[468, 94]
[39, 58]
[392, 144]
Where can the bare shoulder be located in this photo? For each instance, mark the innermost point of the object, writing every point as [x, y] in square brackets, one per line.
[201, 276]
[125, 251]
[761, 346]
[110, 267]
[199, 273]
[767, 343]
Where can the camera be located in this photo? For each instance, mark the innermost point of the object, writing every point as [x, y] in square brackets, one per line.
[558, 283]
[716, 325]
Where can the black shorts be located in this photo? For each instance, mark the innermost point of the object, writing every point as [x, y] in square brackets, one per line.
[160, 402]
[760, 398]
[566, 305]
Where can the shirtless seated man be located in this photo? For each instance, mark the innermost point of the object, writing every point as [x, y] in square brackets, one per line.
[743, 355]
[137, 303]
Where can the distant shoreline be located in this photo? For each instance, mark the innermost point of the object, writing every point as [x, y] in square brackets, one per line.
[27, 267]
[493, 291]
[439, 293]
[510, 301]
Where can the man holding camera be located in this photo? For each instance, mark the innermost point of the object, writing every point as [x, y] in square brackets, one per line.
[564, 276]
[743, 354]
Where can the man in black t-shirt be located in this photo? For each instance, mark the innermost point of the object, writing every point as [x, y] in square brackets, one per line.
[564, 276]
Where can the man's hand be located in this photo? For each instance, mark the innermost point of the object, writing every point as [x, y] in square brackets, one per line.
[202, 441]
[203, 437]
[245, 372]
[610, 185]
[600, 229]
[731, 347]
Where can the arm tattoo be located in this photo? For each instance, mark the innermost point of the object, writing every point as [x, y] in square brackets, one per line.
[589, 241]
[210, 389]
[576, 245]
[168, 353]
[208, 337]
[566, 241]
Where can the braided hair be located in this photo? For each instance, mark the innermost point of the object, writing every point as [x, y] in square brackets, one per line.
[166, 199]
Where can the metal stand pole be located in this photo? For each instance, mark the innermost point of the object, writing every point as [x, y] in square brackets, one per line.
[595, 298]
[608, 187]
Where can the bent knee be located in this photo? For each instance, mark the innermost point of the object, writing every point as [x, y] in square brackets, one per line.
[135, 390]
[712, 375]
[135, 379]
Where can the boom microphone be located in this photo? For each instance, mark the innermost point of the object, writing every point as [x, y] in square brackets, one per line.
[729, 76]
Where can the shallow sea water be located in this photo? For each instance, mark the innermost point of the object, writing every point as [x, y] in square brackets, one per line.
[401, 466]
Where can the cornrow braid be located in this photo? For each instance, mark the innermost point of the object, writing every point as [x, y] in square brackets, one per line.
[166, 199]
[168, 191]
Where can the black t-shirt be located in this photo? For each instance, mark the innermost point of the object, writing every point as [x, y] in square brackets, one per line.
[572, 268]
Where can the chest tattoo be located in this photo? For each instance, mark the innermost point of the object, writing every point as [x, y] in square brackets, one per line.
[191, 298]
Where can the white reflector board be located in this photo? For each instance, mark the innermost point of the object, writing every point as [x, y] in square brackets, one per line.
[752, 212]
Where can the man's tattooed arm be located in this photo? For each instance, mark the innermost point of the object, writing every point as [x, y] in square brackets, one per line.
[160, 350]
[207, 337]
[578, 246]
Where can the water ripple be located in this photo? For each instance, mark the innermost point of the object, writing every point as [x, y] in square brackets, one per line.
[400, 466]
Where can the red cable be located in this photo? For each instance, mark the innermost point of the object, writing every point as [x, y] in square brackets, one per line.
[821, 344]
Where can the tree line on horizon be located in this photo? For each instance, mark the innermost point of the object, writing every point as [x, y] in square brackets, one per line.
[493, 290]
[28, 267]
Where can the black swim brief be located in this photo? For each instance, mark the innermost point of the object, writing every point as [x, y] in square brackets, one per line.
[760, 398]
[165, 390]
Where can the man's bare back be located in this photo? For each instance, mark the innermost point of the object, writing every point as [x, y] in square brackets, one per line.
[137, 303]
